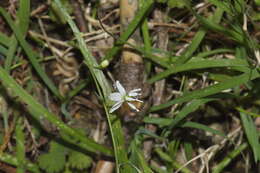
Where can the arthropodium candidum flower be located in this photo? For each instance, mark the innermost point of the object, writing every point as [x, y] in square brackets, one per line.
[122, 96]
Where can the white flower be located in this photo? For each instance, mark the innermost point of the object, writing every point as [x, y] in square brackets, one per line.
[122, 96]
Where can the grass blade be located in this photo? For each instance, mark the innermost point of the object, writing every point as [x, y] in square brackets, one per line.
[190, 124]
[234, 81]
[230, 156]
[200, 64]
[14, 161]
[212, 25]
[251, 134]
[10, 53]
[130, 29]
[20, 145]
[17, 90]
[23, 15]
[4, 39]
[172, 122]
[166, 157]
[198, 39]
[30, 53]
[212, 52]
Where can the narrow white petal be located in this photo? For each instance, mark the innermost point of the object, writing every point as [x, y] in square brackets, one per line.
[130, 99]
[134, 94]
[115, 96]
[115, 107]
[135, 90]
[133, 106]
[120, 88]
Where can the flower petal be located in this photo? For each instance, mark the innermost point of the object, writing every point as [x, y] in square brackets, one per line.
[115, 96]
[120, 88]
[130, 99]
[133, 107]
[134, 92]
[115, 106]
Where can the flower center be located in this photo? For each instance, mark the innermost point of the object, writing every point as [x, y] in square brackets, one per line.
[126, 97]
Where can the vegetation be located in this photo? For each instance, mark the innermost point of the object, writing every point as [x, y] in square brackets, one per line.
[129, 86]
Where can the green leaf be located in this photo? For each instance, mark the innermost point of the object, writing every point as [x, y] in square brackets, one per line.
[173, 148]
[222, 4]
[10, 55]
[12, 160]
[24, 15]
[79, 160]
[4, 39]
[257, 2]
[186, 110]
[176, 4]
[57, 148]
[137, 158]
[143, 11]
[251, 134]
[188, 150]
[38, 111]
[202, 127]
[229, 157]
[32, 55]
[198, 38]
[196, 64]
[53, 161]
[161, 1]
[232, 82]
[147, 132]
[173, 163]
[236, 35]
[56, 13]
[254, 115]
[20, 145]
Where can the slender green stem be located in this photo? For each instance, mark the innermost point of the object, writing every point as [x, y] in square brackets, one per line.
[20, 145]
[103, 88]
[230, 156]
